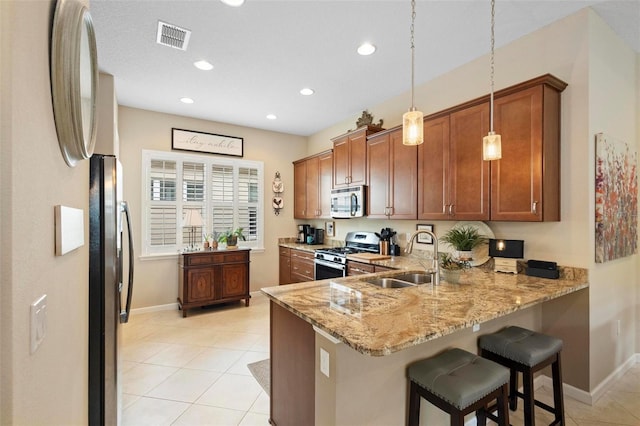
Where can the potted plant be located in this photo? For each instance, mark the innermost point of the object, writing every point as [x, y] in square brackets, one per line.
[464, 239]
[231, 238]
[450, 268]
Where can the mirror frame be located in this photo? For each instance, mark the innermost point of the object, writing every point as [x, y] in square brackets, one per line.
[70, 19]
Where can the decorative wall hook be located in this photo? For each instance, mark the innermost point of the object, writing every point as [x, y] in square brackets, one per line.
[278, 188]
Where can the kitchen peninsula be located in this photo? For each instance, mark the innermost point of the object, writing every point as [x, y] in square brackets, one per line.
[364, 336]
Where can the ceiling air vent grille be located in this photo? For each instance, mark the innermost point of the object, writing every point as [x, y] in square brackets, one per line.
[172, 36]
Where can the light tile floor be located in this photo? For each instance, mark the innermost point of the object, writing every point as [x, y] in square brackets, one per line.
[193, 371]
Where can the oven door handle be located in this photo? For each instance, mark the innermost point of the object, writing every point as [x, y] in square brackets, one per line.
[333, 265]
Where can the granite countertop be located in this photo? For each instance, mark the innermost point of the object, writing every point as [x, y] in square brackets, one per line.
[377, 321]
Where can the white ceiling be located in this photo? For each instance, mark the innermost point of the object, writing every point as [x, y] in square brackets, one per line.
[267, 50]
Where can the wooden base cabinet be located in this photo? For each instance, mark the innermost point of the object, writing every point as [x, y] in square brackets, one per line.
[210, 277]
[285, 266]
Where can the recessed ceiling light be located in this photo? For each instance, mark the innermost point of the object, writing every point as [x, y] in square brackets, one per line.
[271, 116]
[234, 3]
[366, 49]
[186, 100]
[307, 92]
[203, 65]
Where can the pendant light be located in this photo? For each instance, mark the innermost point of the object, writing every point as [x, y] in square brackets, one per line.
[492, 143]
[412, 123]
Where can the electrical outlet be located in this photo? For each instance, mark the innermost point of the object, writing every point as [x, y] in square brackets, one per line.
[324, 362]
[38, 322]
[476, 328]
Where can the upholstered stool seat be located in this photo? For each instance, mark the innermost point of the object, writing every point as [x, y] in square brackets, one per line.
[527, 352]
[459, 383]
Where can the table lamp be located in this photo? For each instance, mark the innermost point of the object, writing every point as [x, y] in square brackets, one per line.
[192, 218]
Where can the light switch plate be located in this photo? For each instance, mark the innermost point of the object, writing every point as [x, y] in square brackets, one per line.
[324, 362]
[38, 322]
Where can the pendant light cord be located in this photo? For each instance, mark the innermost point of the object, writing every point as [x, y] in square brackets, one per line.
[493, 18]
[413, 19]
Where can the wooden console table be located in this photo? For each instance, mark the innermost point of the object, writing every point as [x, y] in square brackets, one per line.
[210, 277]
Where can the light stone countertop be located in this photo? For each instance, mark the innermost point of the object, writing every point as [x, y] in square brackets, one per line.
[378, 321]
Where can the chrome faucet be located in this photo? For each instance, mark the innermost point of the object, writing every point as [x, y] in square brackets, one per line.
[435, 275]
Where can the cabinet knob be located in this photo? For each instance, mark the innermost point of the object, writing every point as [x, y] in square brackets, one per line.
[450, 209]
[534, 207]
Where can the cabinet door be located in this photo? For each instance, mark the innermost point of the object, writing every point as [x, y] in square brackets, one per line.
[340, 162]
[285, 269]
[313, 183]
[358, 268]
[200, 285]
[378, 162]
[469, 173]
[516, 179]
[325, 179]
[358, 159]
[433, 170]
[403, 179]
[234, 280]
[299, 189]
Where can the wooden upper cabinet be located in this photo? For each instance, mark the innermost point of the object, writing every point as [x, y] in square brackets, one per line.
[433, 170]
[525, 183]
[468, 173]
[350, 157]
[453, 179]
[325, 184]
[392, 170]
[312, 181]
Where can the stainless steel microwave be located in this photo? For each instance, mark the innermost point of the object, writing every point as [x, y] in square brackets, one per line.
[348, 202]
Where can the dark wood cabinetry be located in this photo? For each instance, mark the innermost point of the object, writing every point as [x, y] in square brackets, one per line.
[350, 157]
[292, 363]
[285, 266]
[302, 267]
[210, 277]
[453, 179]
[525, 183]
[358, 268]
[392, 170]
[312, 181]
[455, 183]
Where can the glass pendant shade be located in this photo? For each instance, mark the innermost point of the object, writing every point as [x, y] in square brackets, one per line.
[412, 128]
[491, 147]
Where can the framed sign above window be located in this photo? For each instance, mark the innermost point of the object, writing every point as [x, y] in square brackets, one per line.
[209, 143]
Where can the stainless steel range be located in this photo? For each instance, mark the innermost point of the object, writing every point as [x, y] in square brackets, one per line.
[332, 262]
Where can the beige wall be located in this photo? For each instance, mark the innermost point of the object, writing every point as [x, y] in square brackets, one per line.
[49, 386]
[156, 281]
[612, 110]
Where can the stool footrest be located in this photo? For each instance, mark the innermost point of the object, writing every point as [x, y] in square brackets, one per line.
[539, 404]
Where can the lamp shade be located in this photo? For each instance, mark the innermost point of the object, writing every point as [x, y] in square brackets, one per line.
[192, 218]
[412, 128]
[491, 147]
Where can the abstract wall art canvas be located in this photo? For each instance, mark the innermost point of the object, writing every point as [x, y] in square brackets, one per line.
[616, 187]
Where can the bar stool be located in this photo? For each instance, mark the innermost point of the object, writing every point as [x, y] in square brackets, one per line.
[458, 382]
[526, 351]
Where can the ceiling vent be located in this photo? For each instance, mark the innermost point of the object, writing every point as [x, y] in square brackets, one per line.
[172, 36]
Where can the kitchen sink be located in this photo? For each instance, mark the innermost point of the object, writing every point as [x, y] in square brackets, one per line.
[389, 282]
[417, 278]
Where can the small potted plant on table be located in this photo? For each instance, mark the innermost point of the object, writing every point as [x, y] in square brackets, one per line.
[464, 239]
[231, 238]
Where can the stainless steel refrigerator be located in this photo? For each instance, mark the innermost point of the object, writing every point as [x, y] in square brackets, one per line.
[107, 215]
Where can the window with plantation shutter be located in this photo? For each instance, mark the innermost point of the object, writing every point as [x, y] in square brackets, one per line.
[227, 193]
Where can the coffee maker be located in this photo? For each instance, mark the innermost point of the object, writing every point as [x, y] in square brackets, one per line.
[303, 232]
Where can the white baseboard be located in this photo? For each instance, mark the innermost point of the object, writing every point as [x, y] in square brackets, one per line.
[173, 306]
[592, 397]
[156, 308]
